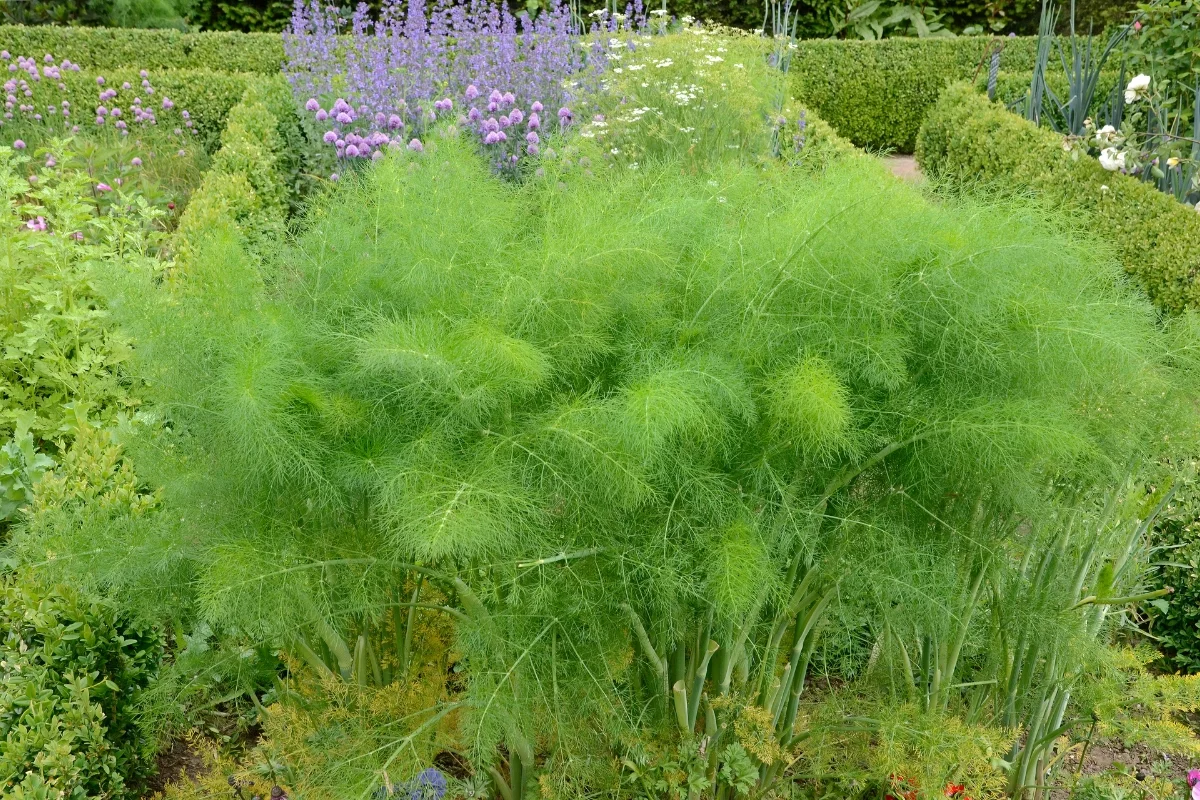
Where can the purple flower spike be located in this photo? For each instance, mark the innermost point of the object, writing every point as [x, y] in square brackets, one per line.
[416, 146]
[312, 104]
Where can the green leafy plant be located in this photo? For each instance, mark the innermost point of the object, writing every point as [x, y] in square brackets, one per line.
[71, 671]
[648, 441]
[875, 20]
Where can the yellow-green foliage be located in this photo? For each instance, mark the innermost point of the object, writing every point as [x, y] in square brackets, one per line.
[107, 48]
[876, 94]
[1157, 238]
[1141, 708]
[855, 738]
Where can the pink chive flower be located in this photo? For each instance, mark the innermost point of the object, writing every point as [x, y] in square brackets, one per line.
[322, 115]
[137, 162]
[312, 104]
[18, 145]
[334, 177]
[103, 187]
[351, 151]
[416, 146]
[144, 74]
[536, 107]
[330, 137]
[167, 104]
[50, 162]
[99, 80]
[472, 92]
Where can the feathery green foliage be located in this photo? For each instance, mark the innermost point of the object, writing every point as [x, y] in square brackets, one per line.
[648, 433]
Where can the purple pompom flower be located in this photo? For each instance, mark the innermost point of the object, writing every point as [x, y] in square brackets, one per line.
[344, 118]
[322, 115]
[137, 162]
[471, 93]
[99, 80]
[330, 137]
[312, 104]
[416, 146]
[394, 122]
[536, 107]
[167, 104]
[532, 149]
[532, 137]
[351, 151]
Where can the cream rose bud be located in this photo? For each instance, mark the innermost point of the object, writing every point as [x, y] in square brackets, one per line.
[1112, 159]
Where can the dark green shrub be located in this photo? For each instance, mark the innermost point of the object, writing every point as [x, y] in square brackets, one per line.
[876, 94]
[117, 13]
[71, 671]
[1175, 620]
[1157, 238]
[109, 48]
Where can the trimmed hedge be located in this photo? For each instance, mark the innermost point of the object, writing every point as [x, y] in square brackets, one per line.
[877, 94]
[109, 48]
[245, 192]
[968, 138]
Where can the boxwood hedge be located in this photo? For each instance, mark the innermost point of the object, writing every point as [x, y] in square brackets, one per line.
[877, 93]
[968, 138]
[109, 48]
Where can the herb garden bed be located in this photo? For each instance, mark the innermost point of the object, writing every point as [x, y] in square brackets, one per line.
[576, 416]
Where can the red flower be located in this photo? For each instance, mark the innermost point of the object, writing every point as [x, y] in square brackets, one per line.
[957, 791]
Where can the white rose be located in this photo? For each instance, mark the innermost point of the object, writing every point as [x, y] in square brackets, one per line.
[1112, 159]
[1137, 85]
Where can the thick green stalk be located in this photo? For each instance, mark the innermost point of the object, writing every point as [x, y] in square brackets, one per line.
[698, 684]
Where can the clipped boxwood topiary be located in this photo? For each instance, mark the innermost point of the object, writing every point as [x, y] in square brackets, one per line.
[1157, 238]
[71, 669]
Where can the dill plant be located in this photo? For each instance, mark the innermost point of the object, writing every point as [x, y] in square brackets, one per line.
[646, 439]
